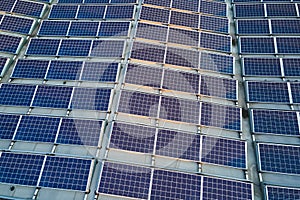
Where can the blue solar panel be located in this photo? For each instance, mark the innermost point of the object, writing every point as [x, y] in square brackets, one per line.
[182, 57]
[39, 129]
[70, 1]
[268, 92]
[216, 62]
[285, 26]
[186, 5]
[8, 124]
[219, 87]
[107, 48]
[91, 12]
[79, 132]
[66, 173]
[132, 138]
[100, 71]
[16, 24]
[179, 110]
[275, 122]
[91, 99]
[283, 10]
[261, 67]
[64, 70]
[52, 97]
[185, 37]
[215, 42]
[138, 103]
[75, 48]
[83, 29]
[9, 44]
[281, 193]
[291, 66]
[54, 28]
[250, 10]
[114, 29]
[30, 69]
[184, 19]
[279, 158]
[174, 185]
[3, 62]
[213, 8]
[288, 45]
[119, 12]
[7, 5]
[226, 117]
[149, 52]
[152, 32]
[28, 8]
[226, 189]
[63, 12]
[125, 180]
[254, 27]
[224, 152]
[123, 1]
[178, 145]
[16, 95]
[295, 89]
[144, 75]
[43, 47]
[257, 45]
[164, 3]
[155, 14]
[214, 24]
[96, 1]
[20, 168]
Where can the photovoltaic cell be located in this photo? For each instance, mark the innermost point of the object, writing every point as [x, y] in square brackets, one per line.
[91, 12]
[7, 5]
[70, 1]
[255, 27]
[54, 28]
[8, 124]
[83, 29]
[63, 12]
[155, 14]
[16, 95]
[132, 138]
[107, 48]
[249, 10]
[257, 45]
[275, 122]
[261, 67]
[214, 24]
[3, 62]
[281, 193]
[286, 26]
[16, 24]
[279, 158]
[43, 47]
[100, 71]
[9, 44]
[187, 5]
[64, 70]
[149, 52]
[295, 89]
[291, 66]
[217, 63]
[30, 69]
[184, 19]
[32, 9]
[20, 168]
[114, 29]
[215, 42]
[288, 45]
[65, 173]
[75, 48]
[283, 10]
[164, 3]
[182, 57]
[213, 8]
[152, 32]
[125, 180]
[185, 37]
[119, 12]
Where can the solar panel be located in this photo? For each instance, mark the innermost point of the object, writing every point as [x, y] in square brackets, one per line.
[9, 44]
[74, 48]
[261, 67]
[132, 138]
[96, 1]
[277, 193]
[181, 81]
[16, 24]
[3, 62]
[213, 8]
[37, 129]
[114, 29]
[155, 14]
[107, 48]
[83, 29]
[119, 12]
[43, 47]
[91, 12]
[219, 87]
[66, 173]
[178, 145]
[188, 5]
[215, 42]
[16, 95]
[179, 110]
[261, 45]
[125, 180]
[288, 45]
[222, 151]
[214, 24]
[54, 28]
[30, 69]
[283, 10]
[226, 117]
[214, 188]
[100, 71]
[253, 27]
[32, 9]
[249, 10]
[143, 75]
[295, 89]
[138, 103]
[149, 52]
[216, 62]
[184, 19]
[8, 124]
[152, 32]
[185, 37]
[268, 92]
[79, 132]
[64, 70]
[63, 12]
[174, 185]
[52, 97]
[279, 158]
[291, 66]
[123, 1]
[20, 169]
[286, 26]
[275, 122]
[164, 3]
[182, 57]
[71, 1]
[7, 5]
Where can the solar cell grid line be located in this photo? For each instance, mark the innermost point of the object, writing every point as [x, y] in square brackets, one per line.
[190, 5]
[35, 69]
[281, 10]
[257, 45]
[216, 62]
[268, 92]
[278, 193]
[9, 44]
[16, 95]
[54, 28]
[163, 3]
[214, 188]
[220, 116]
[52, 97]
[125, 180]
[3, 61]
[7, 5]
[155, 14]
[64, 70]
[37, 129]
[249, 10]
[286, 26]
[279, 158]
[179, 110]
[32, 9]
[16, 24]
[8, 124]
[21, 169]
[100, 71]
[79, 132]
[182, 57]
[175, 185]
[295, 90]
[178, 144]
[185, 37]
[213, 8]
[74, 47]
[144, 75]
[223, 151]
[66, 173]
[214, 24]
[43, 47]
[119, 12]
[253, 27]
[148, 52]
[288, 45]
[132, 138]
[261, 67]
[111, 29]
[181, 81]
[184, 19]
[63, 11]
[103, 48]
[291, 66]
[83, 29]
[151, 32]
[215, 42]
[91, 12]
[275, 122]
[138, 103]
